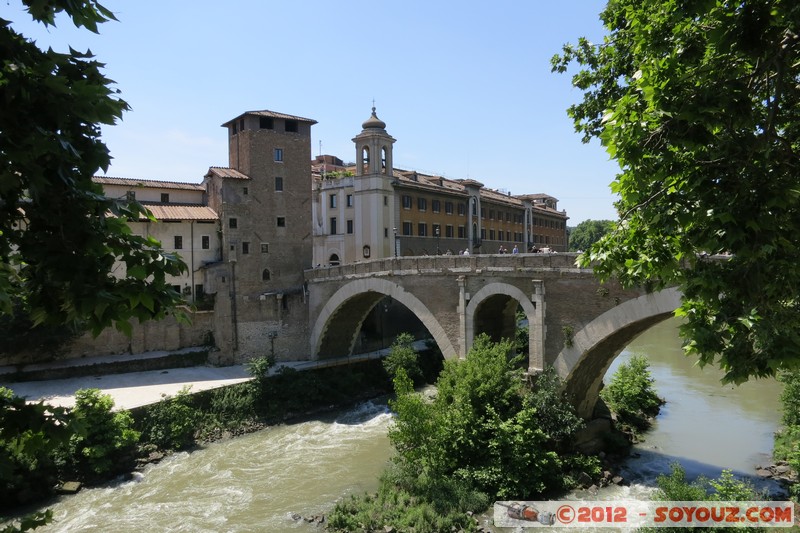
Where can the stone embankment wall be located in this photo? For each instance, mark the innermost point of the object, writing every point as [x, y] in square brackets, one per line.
[163, 335]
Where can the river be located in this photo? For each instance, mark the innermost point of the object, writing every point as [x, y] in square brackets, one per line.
[258, 481]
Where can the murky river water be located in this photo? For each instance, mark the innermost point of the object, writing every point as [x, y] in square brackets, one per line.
[256, 482]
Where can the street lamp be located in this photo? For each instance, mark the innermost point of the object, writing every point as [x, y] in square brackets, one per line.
[395, 241]
[436, 231]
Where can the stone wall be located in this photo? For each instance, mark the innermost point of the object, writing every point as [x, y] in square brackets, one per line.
[162, 335]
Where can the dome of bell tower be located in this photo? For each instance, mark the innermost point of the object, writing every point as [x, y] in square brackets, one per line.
[373, 122]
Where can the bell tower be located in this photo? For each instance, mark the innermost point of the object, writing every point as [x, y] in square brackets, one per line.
[374, 148]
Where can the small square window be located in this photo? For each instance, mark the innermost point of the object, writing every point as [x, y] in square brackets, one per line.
[245, 248]
[266, 123]
[290, 126]
[406, 202]
[279, 155]
[205, 242]
[349, 227]
[435, 206]
[281, 222]
[278, 183]
[178, 242]
[233, 223]
[164, 197]
[245, 191]
[264, 247]
[422, 204]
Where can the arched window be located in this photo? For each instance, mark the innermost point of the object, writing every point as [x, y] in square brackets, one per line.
[265, 276]
[384, 153]
[365, 160]
[333, 260]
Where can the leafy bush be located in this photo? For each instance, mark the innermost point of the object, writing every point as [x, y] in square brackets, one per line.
[106, 440]
[485, 427]
[171, 423]
[402, 355]
[631, 394]
[787, 439]
[29, 434]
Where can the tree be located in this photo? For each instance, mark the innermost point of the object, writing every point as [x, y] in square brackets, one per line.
[587, 233]
[59, 236]
[699, 103]
[486, 427]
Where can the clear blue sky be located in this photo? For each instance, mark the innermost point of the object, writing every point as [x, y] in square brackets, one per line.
[464, 86]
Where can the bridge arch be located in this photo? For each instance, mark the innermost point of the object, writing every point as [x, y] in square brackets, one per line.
[491, 294]
[348, 307]
[584, 364]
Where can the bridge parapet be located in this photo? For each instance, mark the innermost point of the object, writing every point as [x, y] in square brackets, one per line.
[449, 264]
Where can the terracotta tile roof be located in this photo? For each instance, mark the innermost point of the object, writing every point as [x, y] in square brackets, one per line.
[182, 212]
[224, 172]
[271, 114]
[155, 184]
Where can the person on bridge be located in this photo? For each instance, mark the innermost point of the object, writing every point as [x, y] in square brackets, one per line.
[515, 250]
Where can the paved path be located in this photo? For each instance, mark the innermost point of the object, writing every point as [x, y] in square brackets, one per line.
[136, 389]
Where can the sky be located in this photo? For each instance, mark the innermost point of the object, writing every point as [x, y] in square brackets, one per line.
[465, 87]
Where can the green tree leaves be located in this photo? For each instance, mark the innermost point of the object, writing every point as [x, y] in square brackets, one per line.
[59, 236]
[698, 103]
[588, 232]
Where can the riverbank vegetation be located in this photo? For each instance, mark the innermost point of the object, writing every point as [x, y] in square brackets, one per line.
[787, 440]
[632, 397]
[489, 432]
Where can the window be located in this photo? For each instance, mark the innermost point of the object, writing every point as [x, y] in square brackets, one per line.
[245, 191]
[279, 155]
[333, 225]
[205, 242]
[483, 233]
[408, 229]
[483, 213]
[233, 223]
[264, 247]
[406, 201]
[333, 201]
[291, 126]
[265, 275]
[448, 208]
[199, 292]
[241, 125]
[437, 230]
[234, 129]
[266, 123]
[436, 206]
[422, 229]
[281, 222]
[385, 200]
[491, 235]
[491, 214]
[245, 248]
[385, 233]
[278, 183]
[164, 197]
[349, 227]
[462, 209]
[448, 231]
[422, 204]
[178, 242]
[461, 233]
[349, 200]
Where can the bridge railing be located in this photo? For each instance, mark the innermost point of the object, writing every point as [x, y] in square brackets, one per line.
[447, 263]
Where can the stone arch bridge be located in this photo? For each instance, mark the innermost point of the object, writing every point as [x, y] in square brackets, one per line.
[576, 324]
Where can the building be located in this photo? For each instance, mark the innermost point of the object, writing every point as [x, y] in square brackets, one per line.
[250, 230]
[373, 210]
